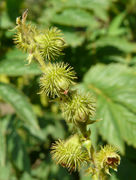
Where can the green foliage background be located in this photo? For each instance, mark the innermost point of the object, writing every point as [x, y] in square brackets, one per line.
[101, 39]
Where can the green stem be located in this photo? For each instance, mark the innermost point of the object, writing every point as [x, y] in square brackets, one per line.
[40, 59]
[99, 176]
[82, 129]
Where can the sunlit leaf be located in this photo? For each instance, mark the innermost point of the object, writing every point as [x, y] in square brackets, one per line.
[75, 18]
[22, 107]
[117, 42]
[15, 64]
[73, 39]
[114, 28]
[98, 7]
[17, 151]
[114, 87]
[27, 176]
[5, 21]
[5, 173]
[3, 146]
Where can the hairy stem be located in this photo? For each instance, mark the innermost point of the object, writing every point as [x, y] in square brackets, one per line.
[40, 60]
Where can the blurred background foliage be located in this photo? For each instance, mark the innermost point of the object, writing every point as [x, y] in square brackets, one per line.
[101, 46]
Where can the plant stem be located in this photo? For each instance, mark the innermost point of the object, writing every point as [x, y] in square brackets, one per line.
[40, 59]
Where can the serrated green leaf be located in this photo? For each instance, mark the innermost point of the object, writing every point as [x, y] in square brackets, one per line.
[3, 147]
[5, 21]
[114, 28]
[86, 4]
[117, 42]
[75, 18]
[73, 39]
[27, 176]
[15, 64]
[17, 151]
[5, 172]
[118, 59]
[98, 7]
[114, 86]
[22, 107]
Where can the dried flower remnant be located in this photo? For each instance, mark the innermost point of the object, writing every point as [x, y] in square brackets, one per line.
[108, 158]
[25, 33]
